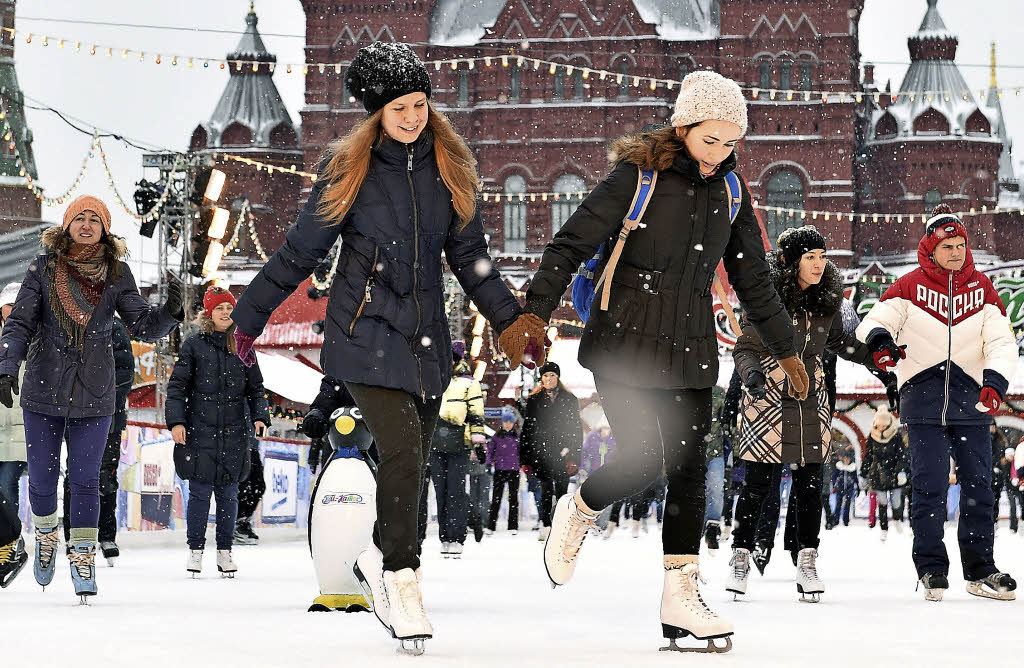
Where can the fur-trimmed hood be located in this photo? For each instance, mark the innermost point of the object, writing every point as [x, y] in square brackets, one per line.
[660, 150]
[822, 300]
[56, 241]
[884, 425]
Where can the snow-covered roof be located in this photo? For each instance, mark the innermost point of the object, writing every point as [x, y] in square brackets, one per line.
[465, 22]
[250, 98]
[289, 378]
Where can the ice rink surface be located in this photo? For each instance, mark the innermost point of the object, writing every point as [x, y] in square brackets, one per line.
[494, 607]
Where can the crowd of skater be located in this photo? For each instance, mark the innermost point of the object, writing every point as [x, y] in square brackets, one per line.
[400, 191]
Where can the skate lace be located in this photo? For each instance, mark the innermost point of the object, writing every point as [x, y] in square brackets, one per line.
[806, 564]
[7, 551]
[740, 563]
[412, 599]
[83, 563]
[48, 542]
[688, 592]
[579, 525]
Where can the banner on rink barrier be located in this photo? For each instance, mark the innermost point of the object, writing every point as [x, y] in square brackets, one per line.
[281, 473]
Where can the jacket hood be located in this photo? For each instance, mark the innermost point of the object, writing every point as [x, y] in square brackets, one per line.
[924, 258]
[661, 150]
[884, 426]
[55, 240]
[823, 299]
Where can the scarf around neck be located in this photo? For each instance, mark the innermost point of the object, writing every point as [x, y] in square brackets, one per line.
[77, 280]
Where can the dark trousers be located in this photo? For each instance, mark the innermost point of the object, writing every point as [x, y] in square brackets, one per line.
[251, 490]
[448, 473]
[1014, 497]
[931, 446]
[421, 514]
[844, 499]
[10, 481]
[87, 438]
[479, 500]
[108, 492]
[402, 426]
[771, 509]
[732, 490]
[654, 429]
[197, 514]
[553, 486]
[501, 480]
[637, 507]
[806, 515]
[10, 524]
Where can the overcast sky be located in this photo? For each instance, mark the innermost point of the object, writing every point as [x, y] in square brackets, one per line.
[161, 105]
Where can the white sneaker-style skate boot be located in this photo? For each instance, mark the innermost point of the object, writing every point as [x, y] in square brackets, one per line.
[455, 550]
[684, 612]
[808, 583]
[194, 565]
[225, 564]
[636, 528]
[740, 565]
[883, 535]
[543, 535]
[569, 526]
[407, 619]
[609, 531]
[899, 525]
[369, 573]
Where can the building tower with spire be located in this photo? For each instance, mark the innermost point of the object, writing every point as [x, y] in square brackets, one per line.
[19, 208]
[251, 120]
[936, 143]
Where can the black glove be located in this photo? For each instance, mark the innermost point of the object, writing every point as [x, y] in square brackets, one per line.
[314, 424]
[315, 450]
[8, 384]
[885, 352]
[755, 386]
[175, 300]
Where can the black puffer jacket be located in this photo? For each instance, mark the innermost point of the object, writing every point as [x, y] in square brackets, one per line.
[124, 374]
[779, 428]
[885, 457]
[218, 399]
[662, 335]
[386, 324]
[552, 432]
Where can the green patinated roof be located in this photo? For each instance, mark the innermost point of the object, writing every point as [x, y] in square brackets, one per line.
[13, 102]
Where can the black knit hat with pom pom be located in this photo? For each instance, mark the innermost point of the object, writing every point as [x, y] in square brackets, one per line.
[796, 241]
[385, 71]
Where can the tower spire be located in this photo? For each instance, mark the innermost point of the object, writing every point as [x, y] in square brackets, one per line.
[992, 80]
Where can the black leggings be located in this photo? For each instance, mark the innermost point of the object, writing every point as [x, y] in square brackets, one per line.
[252, 489]
[402, 426]
[552, 488]
[655, 428]
[758, 485]
[501, 479]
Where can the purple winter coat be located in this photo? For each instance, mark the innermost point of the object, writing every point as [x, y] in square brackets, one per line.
[593, 458]
[503, 450]
[59, 379]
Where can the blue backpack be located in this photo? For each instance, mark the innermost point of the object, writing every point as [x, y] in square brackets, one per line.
[583, 286]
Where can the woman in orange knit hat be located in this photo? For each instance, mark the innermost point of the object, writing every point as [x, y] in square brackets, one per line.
[61, 328]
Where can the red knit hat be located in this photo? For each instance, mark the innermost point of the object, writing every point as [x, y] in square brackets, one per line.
[214, 297]
[87, 203]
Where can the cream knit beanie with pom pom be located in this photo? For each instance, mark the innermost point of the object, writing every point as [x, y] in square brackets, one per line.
[708, 96]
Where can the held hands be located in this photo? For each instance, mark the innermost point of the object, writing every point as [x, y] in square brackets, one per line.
[8, 384]
[901, 478]
[178, 433]
[886, 353]
[799, 383]
[989, 400]
[175, 300]
[314, 424]
[243, 347]
[755, 386]
[524, 341]
[261, 428]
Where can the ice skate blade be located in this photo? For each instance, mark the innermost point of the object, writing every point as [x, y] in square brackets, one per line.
[979, 590]
[9, 578]
[813, 597]
[412, 646]
[83, 599]
[230, 575]
[672, 633]
[736, 594]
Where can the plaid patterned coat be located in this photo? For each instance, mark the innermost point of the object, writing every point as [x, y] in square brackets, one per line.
[779, 428]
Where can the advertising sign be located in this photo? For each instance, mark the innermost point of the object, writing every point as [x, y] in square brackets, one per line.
[281, 473]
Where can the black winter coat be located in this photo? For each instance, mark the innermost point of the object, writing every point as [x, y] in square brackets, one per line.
[124, 374]
[218, 399]
[883, 461]
[386, 324]
[552, 433]
[61, 380]
[780, 429]
[659, 329]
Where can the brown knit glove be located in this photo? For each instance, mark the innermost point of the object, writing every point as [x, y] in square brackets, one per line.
[797, 374]
[517, 338]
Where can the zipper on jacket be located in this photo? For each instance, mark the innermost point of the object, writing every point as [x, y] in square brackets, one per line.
[415, 271]
[949, 347]
[800, 404]
[367, 297]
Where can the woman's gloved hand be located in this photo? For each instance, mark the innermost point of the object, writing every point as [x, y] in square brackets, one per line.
[8, 385]
[755, 386]
[797, 374]
[523, 341]
[176, 300]
[243, 347]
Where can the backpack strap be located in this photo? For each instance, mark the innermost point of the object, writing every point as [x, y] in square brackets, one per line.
[735, 192]
[644, 187]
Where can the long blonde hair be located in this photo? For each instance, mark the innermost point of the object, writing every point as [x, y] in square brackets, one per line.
[349, 162]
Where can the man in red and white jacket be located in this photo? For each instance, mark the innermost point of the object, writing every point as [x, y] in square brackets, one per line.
[944, 329]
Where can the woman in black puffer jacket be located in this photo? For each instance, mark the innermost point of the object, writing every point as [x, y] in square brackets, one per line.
[213, 404]
[885, 467]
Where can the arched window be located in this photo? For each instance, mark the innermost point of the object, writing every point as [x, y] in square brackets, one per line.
[785, 190]
[516, 87]
[559, 93]
[568, 186]
[198, 142]
[977, 124]
[786, 74]
[577, 84]
[515, 215]
[463, 88]
[805, 75]
[624, 84]
[765, 78]
[932, 199]
[887, 126]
